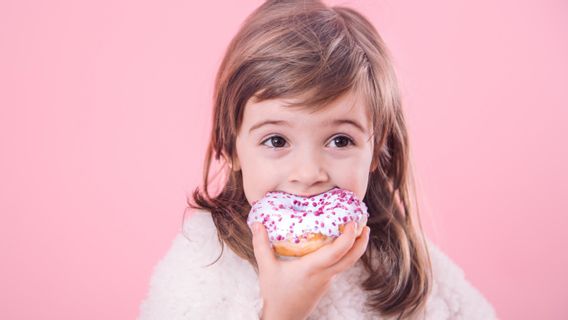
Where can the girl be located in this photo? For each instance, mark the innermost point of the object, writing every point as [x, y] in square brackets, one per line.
[306, 99]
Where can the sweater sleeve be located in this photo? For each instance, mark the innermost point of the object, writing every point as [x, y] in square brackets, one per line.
[453, 296]
[182, 287]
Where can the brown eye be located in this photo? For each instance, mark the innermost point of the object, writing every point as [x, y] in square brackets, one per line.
[276, 141]
[342, 141]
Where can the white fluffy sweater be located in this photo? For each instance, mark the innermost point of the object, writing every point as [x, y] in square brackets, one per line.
[182, 288]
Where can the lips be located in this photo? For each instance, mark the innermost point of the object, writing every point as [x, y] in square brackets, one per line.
[308, 196]
[315, 195]
[295, 195]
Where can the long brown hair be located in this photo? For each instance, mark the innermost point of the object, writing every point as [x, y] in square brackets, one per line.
[291, 49]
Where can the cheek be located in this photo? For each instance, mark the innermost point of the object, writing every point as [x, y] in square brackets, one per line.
[260, 177]
[353, 175]
[355, 183]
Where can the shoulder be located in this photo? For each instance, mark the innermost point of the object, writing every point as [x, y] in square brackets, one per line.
[185, 284]
[453, 296]
[176, 275]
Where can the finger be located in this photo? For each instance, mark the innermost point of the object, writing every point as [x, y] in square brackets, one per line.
[330, 254]
[353, 255]
[262, 248]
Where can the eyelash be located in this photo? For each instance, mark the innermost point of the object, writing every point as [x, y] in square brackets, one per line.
[350, 141]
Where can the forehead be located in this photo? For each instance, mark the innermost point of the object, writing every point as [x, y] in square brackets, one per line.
[347, 106]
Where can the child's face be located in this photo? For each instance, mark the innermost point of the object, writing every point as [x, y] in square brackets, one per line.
[310, 156]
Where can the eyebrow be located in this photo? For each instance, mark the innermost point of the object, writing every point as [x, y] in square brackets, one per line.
[285, 123]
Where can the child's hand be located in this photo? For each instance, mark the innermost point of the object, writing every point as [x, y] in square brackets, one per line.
[291, 289]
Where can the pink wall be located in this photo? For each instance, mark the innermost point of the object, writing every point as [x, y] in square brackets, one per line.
[104, 112]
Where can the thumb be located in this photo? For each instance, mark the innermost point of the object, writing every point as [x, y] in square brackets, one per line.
[262, 247]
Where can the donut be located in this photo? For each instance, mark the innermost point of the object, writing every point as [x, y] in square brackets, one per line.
[298, 225]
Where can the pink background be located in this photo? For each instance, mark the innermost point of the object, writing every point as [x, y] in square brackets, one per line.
[105, 112]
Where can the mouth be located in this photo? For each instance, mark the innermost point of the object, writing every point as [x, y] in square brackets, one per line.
[313, 195]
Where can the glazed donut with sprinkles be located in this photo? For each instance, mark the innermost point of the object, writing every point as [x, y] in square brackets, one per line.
[298, 225]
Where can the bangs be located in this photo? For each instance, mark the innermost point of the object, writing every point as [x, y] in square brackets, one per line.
[311, 62]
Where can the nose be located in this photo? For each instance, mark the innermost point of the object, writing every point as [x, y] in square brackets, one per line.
[308, 169]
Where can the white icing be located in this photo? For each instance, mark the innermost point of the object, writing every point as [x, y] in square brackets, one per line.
[291, 217]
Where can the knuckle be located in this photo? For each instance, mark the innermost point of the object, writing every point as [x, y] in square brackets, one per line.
[341, 267]
[337, 254]
[346, 263]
